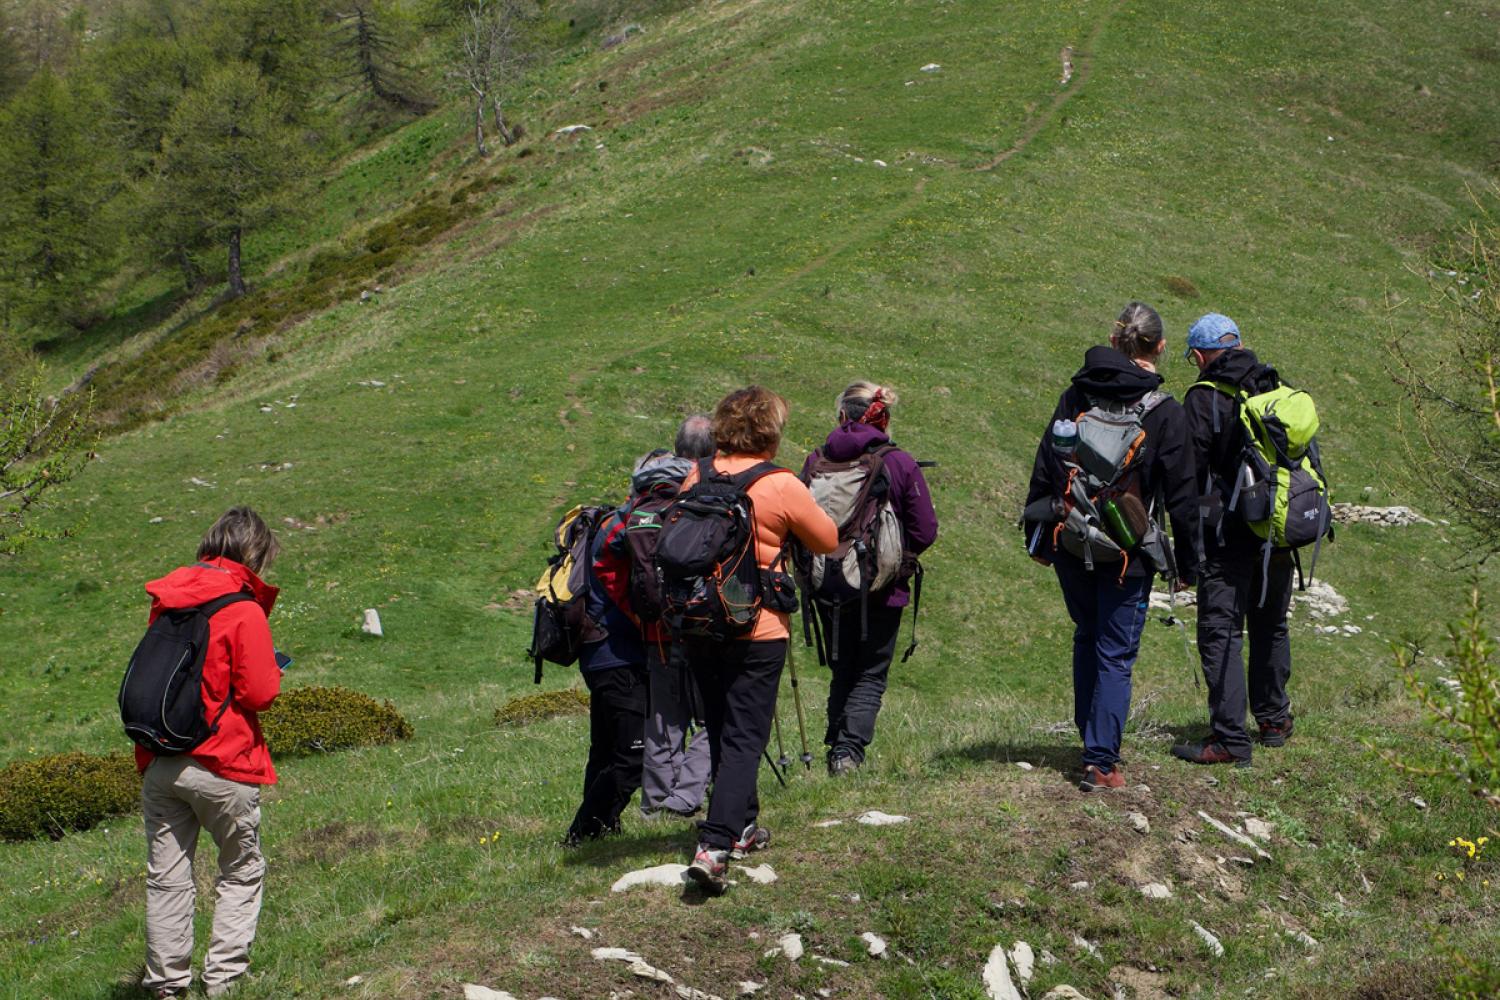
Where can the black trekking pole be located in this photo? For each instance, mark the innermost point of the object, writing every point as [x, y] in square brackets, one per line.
[780, 773]
[791, 662]
[781, 757]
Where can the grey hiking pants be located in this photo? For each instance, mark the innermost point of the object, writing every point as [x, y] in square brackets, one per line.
[672, 778]
[1229, 588]
[180, 797]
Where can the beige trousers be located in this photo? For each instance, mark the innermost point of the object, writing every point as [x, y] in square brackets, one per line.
[181, 797]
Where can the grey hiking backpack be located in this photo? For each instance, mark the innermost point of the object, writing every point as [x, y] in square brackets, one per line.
[1104, 518]
[871, 553]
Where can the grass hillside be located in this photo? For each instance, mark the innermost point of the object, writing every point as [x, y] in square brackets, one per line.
[777, 191]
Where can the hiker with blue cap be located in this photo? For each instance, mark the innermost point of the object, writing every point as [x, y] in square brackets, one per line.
[1244, 579]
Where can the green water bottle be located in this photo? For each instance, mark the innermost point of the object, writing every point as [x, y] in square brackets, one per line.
[1116, 526]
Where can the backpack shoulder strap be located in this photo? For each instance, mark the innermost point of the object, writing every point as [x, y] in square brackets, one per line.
[220, 603]
[754, 474]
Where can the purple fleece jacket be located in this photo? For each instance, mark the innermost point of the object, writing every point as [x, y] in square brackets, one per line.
[909, 496]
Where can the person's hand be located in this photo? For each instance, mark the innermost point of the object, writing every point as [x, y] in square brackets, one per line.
[1182, 585]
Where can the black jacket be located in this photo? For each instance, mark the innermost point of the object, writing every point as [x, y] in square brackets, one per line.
[1218, 440]
[1167, 469]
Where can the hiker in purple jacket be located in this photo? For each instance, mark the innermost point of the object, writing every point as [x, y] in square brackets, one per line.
[860, 641]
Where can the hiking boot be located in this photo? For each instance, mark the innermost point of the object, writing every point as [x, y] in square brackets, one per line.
[1274, 735]
[169, 993]
[222, 989]
[1208, 752]
[1096, 779]
[710, 870]
[754, 838]
[841, 764]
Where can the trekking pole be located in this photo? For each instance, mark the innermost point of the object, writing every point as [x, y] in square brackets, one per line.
[781, 757]
[791, 662]
[781, 773]
[1187, 650]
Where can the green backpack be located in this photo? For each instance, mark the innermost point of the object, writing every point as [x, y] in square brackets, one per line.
[1279, 489]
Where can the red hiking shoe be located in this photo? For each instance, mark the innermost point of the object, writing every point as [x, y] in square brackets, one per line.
[1096, 779]
[1208, 752]
[1274, 735]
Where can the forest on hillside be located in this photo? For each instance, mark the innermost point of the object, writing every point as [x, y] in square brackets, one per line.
[150, 136]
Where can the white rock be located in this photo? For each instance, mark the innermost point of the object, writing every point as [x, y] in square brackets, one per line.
[1079, 941]
[1024, 960]
[1258, 828]
[615, 955]
[371, 624]
[825, 824]
[1419, 802]
[583, 932]
[1139, 822]
[760, 874]
[202, 482]
[1155, 890]
[354, 980]
[877, 818]
[473, 991]
[266, 409]
[878, 163]
[1208, 938]
[1079, 886]
[1025, 765]
[874, 944]
[1064, 992]
[1048, 959]
[748, 988]
[1232, 834]
[836, 962]
[790, 945]
[668, 875]
[1352, 630]
[156, 520]
[997, 982]
[573, 129]
[931, 68]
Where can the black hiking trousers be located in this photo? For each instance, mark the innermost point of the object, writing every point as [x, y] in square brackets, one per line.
[617, 725]
[1229, 586]
[738, 682]
[861, 668]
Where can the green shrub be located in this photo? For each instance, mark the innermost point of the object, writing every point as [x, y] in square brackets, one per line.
[323, 719]
[51, 796]
[542, 705]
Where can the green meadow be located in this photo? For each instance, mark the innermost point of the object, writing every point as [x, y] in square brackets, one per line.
[778, 192]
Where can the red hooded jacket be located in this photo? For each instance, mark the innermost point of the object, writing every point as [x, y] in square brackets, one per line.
[240, 656]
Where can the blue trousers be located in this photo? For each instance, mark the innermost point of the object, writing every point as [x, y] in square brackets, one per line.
[1108, 615]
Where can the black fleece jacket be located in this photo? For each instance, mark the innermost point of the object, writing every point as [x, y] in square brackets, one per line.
[1167, 468]
[1218, 441]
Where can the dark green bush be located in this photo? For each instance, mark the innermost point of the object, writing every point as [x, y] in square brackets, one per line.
[542, 705]
[322, 719]
[52, 796]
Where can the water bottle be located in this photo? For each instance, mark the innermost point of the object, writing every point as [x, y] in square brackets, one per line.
[1117, 525]
[1065, 437]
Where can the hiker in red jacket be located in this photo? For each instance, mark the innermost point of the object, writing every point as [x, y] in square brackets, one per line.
[216, 785]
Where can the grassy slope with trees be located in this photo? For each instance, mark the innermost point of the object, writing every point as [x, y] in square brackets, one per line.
[724, 222]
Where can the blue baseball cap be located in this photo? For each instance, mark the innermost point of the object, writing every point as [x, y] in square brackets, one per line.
[1209, 333]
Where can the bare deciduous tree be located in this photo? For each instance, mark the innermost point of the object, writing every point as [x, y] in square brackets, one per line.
[490, 56]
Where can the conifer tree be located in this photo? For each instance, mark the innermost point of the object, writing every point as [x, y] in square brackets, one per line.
[367, 43]
[53, 241]
[229, 161]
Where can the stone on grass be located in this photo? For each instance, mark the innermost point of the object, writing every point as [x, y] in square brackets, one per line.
[931, 68]
[1258, 828]
[1063, 992]
[1083, 943]
[582, 932]
[748, 988]
[789, 945]
[997, 982]
[825, 824]
[668, 875]
[1025, 765]
[760, 874]
[1139, 822]
[836, 962]
[1305, 939]
[877, 818]
[874, 944]
[573, 129]
[1079, 886]
[473, 991]
[1233, 834]
[1155, 890]
[1024, 960]
[1208, 938]
[371, 624]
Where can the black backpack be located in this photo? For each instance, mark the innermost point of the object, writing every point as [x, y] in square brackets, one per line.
[643, 523]
[161, 695]
[710, 581]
